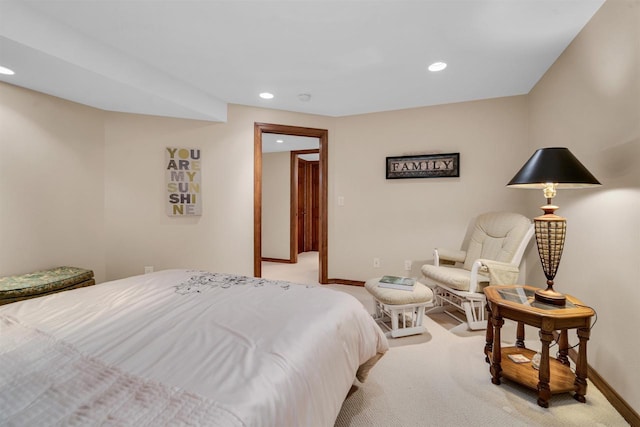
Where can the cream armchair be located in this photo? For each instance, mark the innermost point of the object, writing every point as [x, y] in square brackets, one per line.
[491, 254]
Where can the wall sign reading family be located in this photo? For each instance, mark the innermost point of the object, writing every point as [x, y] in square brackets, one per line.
[183, 175]
[424, 166]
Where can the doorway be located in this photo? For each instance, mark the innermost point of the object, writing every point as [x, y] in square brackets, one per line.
[320, 199]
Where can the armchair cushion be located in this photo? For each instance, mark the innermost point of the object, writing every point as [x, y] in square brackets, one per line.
[496, 236]
[455, 278]
[452, 254]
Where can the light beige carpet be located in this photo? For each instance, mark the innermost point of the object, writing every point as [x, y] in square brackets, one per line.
[440, 378]
[305, 271]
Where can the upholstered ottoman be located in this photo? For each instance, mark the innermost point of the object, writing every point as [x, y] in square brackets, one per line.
[31, 285]
[405, 309]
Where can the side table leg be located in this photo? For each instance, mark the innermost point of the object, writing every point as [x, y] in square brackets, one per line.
[496, 354]
[520, 335]
[488, 345]
[581, 366]
[563, 345]
[544, 392]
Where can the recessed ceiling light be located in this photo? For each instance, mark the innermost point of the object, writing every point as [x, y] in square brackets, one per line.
[266, 95]
[279, 141]
[304, 97]
[7, 71]
[437, 66]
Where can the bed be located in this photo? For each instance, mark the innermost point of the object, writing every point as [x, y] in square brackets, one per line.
[184, 347]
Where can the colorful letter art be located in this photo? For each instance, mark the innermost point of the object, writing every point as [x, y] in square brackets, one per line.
[183, 175]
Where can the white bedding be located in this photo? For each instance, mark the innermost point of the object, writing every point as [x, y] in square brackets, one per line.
[265, 353]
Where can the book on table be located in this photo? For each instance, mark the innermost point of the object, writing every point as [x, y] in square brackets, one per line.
[397, 282]
[519, 358]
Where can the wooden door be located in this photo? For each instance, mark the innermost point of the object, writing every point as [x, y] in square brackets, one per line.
[308, 205]
[315, 205]
[302, 178]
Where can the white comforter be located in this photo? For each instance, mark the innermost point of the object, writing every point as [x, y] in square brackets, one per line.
[265, 353]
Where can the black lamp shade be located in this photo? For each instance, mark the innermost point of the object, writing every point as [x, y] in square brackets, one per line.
[553, 165]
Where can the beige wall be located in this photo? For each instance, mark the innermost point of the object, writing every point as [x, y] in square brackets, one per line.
[404, 219]
[222, 238]
[141, 234]
[276, 201]
[589, 101]
[51, 183]
[392, 220]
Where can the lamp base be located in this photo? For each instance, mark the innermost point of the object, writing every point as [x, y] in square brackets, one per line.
[549, 296]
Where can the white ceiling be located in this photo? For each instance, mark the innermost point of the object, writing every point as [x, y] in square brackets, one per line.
[190, 58]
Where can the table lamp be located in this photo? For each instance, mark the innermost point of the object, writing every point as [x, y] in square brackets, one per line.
[550, 169]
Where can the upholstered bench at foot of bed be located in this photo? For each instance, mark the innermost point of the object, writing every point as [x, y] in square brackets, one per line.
[39, 283]
[405, 309]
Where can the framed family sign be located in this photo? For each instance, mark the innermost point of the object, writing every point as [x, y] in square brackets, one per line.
[424, 166]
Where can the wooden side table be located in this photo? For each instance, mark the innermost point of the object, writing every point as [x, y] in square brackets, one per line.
[554, 375]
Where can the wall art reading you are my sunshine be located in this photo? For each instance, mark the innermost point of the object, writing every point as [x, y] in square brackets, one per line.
[183, 174]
